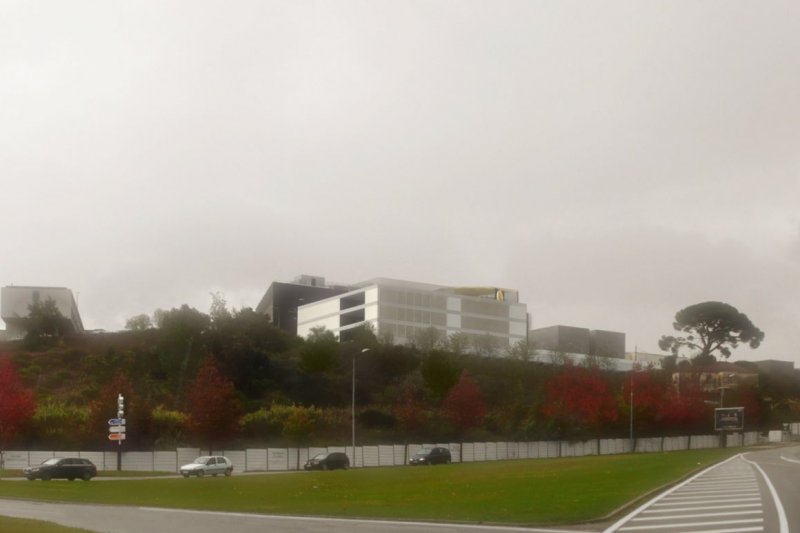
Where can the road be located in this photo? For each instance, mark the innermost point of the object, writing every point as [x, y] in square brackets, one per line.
[753, 492]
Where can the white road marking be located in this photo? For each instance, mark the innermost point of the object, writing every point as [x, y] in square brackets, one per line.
[693, 524]
[703, 508]
[362, 521]
[699, 515]
[784, 523]
[724, 498]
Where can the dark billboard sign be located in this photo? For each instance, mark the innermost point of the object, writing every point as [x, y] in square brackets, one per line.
[729, 418]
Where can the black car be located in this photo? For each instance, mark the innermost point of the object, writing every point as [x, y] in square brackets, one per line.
[431, 456]
[70, 468]
[328, 461]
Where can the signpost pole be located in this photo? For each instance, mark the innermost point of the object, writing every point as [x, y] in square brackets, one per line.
[120, 414]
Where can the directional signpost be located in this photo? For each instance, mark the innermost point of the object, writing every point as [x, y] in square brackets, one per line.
[116, 429]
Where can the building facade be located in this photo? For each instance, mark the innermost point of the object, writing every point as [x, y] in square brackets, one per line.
[583, 341]
[282, 299]
[404, 310]
[15, 302]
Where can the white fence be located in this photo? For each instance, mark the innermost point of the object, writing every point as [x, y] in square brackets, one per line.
[285, 459]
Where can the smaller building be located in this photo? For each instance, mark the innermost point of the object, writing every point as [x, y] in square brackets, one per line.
[774, 367]
[655, 360]
[575, 340]
[16, 301]
[718, 376]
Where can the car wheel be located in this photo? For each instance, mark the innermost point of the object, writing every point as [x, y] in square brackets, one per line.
[201, 473]
[31, 479]
[185, 474]
[46, 476]
[447, 461]
[86, 476]
[228, 472]
[324, 466]
[345, 466]
[70, 479]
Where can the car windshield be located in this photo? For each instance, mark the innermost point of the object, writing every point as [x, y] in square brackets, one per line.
[52, 461]
[201, 460]
[320, 456]
[424, 451]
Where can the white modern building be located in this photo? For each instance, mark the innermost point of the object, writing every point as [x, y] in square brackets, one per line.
[403, 310]
[15, 301]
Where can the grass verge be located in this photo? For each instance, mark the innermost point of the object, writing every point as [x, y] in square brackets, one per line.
[544, 491]
[11, 525]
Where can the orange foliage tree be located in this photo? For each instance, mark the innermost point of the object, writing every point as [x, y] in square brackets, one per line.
[213, 406]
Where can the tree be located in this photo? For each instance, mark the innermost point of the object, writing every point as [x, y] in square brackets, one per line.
[579, 400]
[409, 410]
[711, 327]
[648, 398]
[320, 352]
[522, 350]
[17, 406]
[464, 405]
[213, 406]
[439, 372]
[180, 332]
[44, 320]
[140, 322]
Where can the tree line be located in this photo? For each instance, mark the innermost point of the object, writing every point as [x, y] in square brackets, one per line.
[229, 378]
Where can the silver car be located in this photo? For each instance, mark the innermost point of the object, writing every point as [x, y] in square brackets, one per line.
[208, 464]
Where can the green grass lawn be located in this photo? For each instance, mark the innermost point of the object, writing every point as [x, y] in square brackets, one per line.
[543, 491]
[13, 525]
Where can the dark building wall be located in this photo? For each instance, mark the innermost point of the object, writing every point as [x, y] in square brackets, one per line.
[282, 300]
[774, 367]
[567, 339]
[607, 343]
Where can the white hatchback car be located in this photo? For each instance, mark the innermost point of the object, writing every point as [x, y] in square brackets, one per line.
[208, 464]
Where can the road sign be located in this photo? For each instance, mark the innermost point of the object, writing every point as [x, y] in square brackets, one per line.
[729, 418]
[116, 429]
[116, 421]
[116, 436]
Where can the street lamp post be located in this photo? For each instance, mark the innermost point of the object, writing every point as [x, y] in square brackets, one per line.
[365, 350]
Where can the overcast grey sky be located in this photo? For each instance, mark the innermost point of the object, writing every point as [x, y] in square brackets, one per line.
[614, 161]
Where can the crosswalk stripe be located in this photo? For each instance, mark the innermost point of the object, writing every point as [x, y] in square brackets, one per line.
[702, 508]
[697, 515]
[692, 524]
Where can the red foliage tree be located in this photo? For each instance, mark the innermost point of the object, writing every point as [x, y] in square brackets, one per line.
[213, 406]
[464, 405]
[649, 396]
[579, 400]
[17, 406]
[685, 410]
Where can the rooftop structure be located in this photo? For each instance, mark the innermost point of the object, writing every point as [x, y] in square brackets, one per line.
[15, 302]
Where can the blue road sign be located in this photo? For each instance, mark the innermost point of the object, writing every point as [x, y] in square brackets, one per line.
[116, 421]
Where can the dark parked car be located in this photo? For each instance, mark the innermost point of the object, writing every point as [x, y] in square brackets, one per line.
[70, 468]
[328, 461]
[431, 456]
